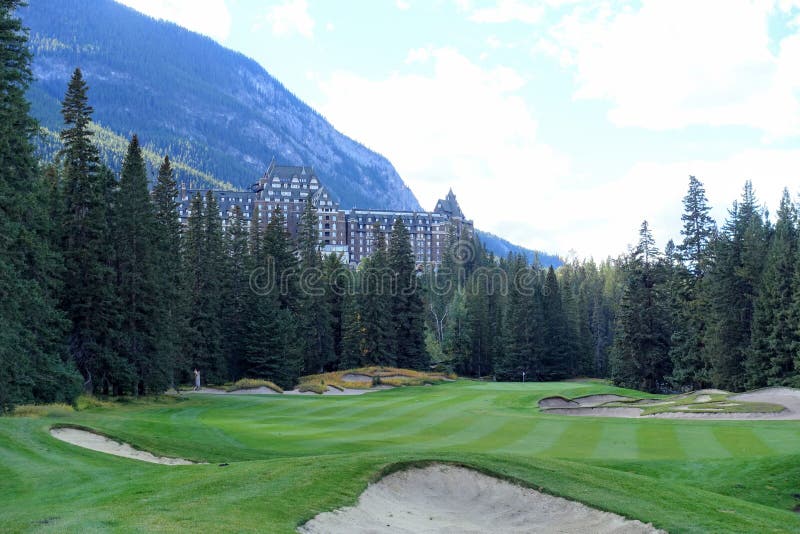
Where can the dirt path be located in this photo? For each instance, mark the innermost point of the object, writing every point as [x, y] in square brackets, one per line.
[448, 499]
[96, 442]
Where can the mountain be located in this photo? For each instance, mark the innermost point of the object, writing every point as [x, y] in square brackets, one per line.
[502, 247]
[218, 114]
[214, 110]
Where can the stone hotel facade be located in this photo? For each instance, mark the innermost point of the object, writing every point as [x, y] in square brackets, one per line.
[347, 233]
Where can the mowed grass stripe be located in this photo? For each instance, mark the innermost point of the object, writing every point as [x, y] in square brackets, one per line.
[578, 440]
[783, 439]
[658, 440]
[741, 441]
[698, 441]
[540, 437]
[497, 433]
[618, 441]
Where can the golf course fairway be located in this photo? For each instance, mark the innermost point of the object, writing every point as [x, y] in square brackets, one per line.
[270, 463]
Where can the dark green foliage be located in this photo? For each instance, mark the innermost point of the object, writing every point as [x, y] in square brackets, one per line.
[406, 302]
[31, 328]
[641, 345]
[688, 289]
[141, 309]
[774, 336]
[171, 283]
[739, 253]
[90, 295]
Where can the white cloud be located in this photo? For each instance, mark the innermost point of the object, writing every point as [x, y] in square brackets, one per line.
[508, 11]
[603, 219]
[402, 5]
[213, 20]
[418, 55]
[289, 18]
[463, 126]
[674, 63]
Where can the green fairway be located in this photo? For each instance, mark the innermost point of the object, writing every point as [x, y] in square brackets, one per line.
[290, 457]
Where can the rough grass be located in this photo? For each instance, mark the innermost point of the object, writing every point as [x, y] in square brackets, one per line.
[388, 376]
[44, 410]
[253, 383]
[312, 387]
[86, 402]
[287, 458]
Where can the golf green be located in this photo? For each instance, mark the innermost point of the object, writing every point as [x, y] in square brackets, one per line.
[291, 457]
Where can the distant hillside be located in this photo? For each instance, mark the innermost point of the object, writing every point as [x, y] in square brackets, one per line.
[210, 108]
[219, 115]
[501, 248]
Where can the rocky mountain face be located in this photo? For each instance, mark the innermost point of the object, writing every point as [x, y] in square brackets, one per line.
[210, 108]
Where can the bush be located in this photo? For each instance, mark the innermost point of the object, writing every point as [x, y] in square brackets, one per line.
[44, 410]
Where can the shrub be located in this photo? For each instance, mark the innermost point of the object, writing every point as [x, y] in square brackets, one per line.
[44, 410]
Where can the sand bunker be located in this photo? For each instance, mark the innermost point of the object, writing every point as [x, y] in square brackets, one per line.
[445, 499]
[353, 377]
[787, 397]
[96, 442]
[334, 391]
[557, 402]
[597, 400]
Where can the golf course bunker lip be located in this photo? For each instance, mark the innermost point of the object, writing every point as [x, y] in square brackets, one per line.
[596, 400]
[557, 402]
[100, 443]
[446, 498]
[357, 377]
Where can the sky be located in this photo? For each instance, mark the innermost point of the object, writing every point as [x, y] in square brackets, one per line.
[560, 125]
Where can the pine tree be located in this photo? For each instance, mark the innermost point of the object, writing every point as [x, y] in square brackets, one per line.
[235, 304]
[640, 356]
[406, 302]
[137, 279]
[557, 349]
[172, 291]
[732, 283]
[89, 295]
[31, 328]
[774, 339]
[688, 288]
[522, 353]
[314, 314]
[377, 325]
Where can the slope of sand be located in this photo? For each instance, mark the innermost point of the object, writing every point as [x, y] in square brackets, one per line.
[449, 499]
[787, 397]
[96, 442]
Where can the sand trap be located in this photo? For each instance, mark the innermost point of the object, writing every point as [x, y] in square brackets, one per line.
[789, 398]
[448, 499]
[557, 402]
[334, 391]
[96, 442]
[353, 377]
[703, 398]
[597, 400]
[600, 411]
[262, 390]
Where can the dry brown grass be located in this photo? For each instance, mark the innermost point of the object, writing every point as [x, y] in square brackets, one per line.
[253, 383]
[44, 410]
[389, 376]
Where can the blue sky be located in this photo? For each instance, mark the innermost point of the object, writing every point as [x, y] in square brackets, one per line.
[560, 125]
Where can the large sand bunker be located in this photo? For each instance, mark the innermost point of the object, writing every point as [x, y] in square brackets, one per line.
[787, 397]
[446, 499]
[96, 442]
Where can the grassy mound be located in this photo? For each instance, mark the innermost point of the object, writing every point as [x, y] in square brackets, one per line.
[252, 383]
[369, 377]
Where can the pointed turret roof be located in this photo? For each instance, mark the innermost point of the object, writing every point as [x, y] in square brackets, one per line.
[449, 205]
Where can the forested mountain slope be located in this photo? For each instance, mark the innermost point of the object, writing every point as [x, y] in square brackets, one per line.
[210, 108]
